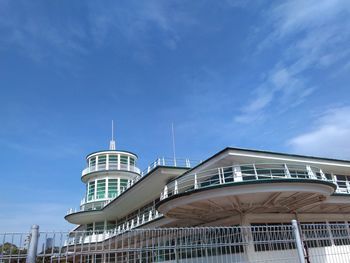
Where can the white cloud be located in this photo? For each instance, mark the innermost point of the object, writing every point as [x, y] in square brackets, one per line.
[46, 36]
[280, 88]
[314, 36]
[329, 137]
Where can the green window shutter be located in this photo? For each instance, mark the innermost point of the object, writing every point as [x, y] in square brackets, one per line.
[91, 191]
[124, 159]
[112, 188]
[101, 189]
[123, 184]
[113, 161]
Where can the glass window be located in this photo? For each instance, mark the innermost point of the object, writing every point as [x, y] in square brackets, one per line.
[341, 180]
[101, 189]
[113, 161]
[123, 159]
[132, 161]
[112, 188]
[110, 225]
[89, 227]
[91, 191]
[123, 184]
[248, 172]
[99, 226]
[102, 161]
[92, 162]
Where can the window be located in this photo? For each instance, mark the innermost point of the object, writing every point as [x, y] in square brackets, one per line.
[102, 162]
[101, 189]
[91, 191]
[92, 161]
[248, 172]
[124, 159]
[123, 184]
[132, 161]
[123, 162]
[99, 226]
[113, 161]
[228, 174]
[112, 188]
[110, 225]
[341, 180]
[89, 228]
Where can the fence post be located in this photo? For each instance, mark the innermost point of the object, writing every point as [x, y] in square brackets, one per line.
[298, 241]
[33, 244]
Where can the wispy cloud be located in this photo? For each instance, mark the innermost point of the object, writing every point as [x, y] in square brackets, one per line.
[279, 83]
[30, 28]
[45, 35]
[328, 137]
[313, 36]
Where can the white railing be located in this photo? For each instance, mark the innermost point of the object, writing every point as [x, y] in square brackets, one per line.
[98, 168]
[100, 235]
[286, 242]
[249, 172]
[171, 162]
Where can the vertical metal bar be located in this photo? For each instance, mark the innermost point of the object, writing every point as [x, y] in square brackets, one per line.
[33, 244]
[298, 241]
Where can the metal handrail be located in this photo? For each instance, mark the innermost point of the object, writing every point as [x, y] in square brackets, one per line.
[247, 172]
[177, 162]
[103, 167]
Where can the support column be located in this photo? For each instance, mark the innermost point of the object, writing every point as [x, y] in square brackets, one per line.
[247, 237]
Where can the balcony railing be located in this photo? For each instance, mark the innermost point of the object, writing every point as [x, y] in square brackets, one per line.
[101, 235]
[104, 167]
[250, 172]
[178, 162]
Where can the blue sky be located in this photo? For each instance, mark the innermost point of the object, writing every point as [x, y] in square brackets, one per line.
[272, 76]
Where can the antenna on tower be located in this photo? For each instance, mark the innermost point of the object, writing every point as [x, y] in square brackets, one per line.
[173, 137]
[112, 141]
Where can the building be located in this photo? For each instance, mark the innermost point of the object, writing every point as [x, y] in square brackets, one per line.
[234, 187]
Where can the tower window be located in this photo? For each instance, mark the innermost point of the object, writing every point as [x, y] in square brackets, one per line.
[101, 189]
[112, 188]
[102, 161]
[113, 161]
[91, 191]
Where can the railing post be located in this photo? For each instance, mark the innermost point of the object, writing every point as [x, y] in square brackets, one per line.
[255, 172]
[310, 173]
[323, 175]
[176, 190]
[219, 174]
[237, 174]
[195, 181]
[165, 194]
[286, 171]
[33, 244]
[298, 241]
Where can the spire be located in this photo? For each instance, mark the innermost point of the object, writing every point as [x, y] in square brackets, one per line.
[112, 141]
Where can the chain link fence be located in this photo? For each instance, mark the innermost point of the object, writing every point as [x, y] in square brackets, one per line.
[257, 243]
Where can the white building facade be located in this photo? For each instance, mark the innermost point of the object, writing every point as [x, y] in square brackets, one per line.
[234, 187]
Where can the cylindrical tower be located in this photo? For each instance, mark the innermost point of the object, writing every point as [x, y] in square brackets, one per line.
[107, 175]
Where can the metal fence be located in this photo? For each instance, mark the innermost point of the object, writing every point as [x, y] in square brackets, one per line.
[256, 243]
